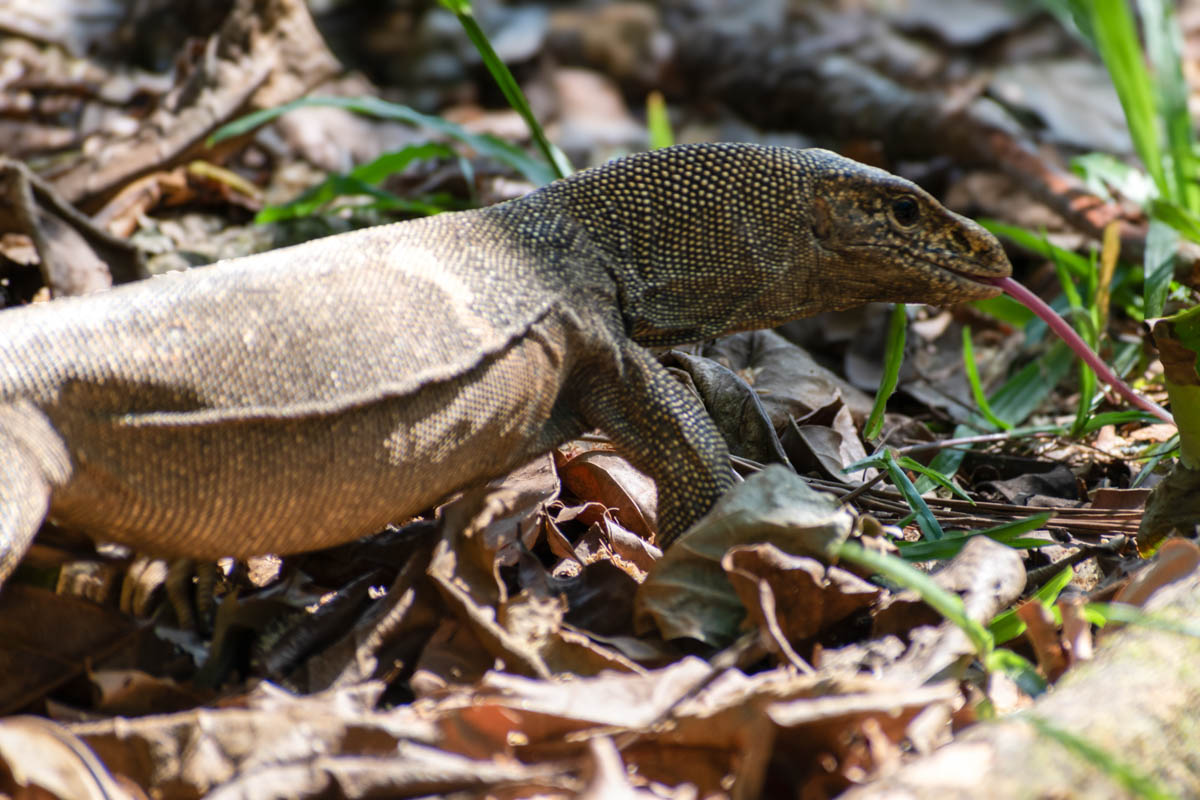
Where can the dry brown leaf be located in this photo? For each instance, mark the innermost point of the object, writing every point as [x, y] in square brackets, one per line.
[605, 478]
[44, 758]
[732, 404]
[828, 447]
[1174, 561]
[134, 693]
[807, 596]
[195, 752]
[46, 638]
[1042, 632]
[687, 593]
[788, 380]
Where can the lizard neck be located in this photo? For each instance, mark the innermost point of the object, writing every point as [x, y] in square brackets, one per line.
[699, 241]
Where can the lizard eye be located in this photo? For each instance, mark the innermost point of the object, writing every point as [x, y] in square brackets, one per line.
[906, 211]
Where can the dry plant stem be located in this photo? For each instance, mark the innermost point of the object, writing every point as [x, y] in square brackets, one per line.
[985, 438]
[1068, 335]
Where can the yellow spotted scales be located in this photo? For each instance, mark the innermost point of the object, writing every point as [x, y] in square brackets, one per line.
[304, 397]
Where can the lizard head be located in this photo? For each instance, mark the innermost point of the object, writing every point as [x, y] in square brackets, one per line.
[703, 240]
[881, 237]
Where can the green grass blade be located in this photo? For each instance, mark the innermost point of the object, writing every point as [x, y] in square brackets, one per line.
[1019, 669]
[1161, 243]
[1116, 40]
[1005, 309]
[935, 476]
[1098, 421]
[363, 180]
[1164, 46]
[1177, 217]
[657, 122]
[508, 85]
[926, 521]
[1008, 626]
[1132, 615]
[1013, 402]
[534, 170]
[1009, 534]
[325, 197]
[981, 401]
[896, 338]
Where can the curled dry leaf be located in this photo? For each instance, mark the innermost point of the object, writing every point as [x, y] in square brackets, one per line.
[603, 477]
[44, 758]
[788, 380]
[733, 405]
[75, 255]
[1174, 561]
[481, 531]
[828, 447]
[806, 596]
[687, 593]
[1042, 632]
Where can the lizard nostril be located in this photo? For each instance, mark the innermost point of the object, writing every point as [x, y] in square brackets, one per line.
[960, 240]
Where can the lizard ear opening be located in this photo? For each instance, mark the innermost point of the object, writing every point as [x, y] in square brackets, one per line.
[822, 218]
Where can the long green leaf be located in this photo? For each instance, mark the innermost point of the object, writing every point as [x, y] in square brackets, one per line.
[1007, 625]
[977, 392]
[896, 338]
[926, 521]
[1019, 669]
[1162, 241]
[934, 475]
[363, 180]
[1013, 402]
[1164, 46]
[508, 85]
[1132, 615]
[1009, 534]
[535, 170]
[1177, 217]
[1116, 40]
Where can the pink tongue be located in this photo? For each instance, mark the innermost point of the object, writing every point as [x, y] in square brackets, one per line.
[1068, 334]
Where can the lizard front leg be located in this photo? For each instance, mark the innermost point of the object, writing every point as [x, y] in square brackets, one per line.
[33, 459]
[663, 429]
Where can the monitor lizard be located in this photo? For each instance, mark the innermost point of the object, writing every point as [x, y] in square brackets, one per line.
[303, 397]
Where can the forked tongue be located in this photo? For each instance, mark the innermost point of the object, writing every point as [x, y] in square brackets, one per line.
[1068, 335]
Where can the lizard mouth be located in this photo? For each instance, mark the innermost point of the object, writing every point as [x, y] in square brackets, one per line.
[988, 278]
[979, 276]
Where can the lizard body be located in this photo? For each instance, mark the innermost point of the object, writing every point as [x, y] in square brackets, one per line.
[303, 397]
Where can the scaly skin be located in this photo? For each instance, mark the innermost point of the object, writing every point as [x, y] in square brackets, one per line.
[304, 397]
